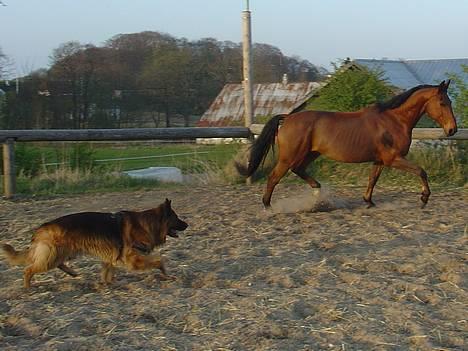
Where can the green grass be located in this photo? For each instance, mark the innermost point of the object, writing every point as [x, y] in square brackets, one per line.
[446, 167]
[167, 155]
[79, 182]
[79, 171]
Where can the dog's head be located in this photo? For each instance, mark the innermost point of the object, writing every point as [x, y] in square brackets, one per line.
[171, 222]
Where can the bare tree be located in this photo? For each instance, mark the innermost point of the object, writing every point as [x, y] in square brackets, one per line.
[5, 64]
[74, 65]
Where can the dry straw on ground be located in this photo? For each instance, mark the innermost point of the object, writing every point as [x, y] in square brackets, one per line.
[318, 272]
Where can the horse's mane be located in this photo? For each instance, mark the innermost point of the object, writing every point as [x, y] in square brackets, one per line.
[400, 99]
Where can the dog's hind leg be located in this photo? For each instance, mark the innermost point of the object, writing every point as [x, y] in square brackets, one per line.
[107, 272]
[66, 269]
[42, 258]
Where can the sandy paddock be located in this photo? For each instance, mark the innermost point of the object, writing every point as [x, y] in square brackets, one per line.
[320, 272]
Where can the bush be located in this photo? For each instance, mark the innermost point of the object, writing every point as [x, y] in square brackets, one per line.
[351, 90]
[31, 160]
[28, 160]
[459, 91]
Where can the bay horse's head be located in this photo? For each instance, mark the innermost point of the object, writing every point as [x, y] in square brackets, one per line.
[439, 108]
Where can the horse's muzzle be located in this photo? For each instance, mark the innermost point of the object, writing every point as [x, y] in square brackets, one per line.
[451, 131]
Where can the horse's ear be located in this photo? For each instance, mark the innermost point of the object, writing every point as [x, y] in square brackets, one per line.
[443, 86]
[447, 84]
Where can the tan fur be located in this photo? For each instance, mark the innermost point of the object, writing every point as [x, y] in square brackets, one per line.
[64, 238]
[15, 258]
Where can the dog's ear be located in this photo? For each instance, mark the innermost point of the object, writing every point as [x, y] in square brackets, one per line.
[167, 206]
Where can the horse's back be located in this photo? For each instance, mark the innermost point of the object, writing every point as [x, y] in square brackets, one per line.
[342, 136]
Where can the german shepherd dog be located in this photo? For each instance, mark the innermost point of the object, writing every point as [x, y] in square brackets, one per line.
[123, 238]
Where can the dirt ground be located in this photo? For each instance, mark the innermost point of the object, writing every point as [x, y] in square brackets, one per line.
[319, 272]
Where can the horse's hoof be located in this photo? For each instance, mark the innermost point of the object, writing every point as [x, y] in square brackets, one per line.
[369, 203]
[424, 199]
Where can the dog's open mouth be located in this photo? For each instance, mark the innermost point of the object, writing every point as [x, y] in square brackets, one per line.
[173, 233]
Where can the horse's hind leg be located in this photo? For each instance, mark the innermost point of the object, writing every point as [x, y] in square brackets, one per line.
[373, 177]
[301, 170]
[273, 179]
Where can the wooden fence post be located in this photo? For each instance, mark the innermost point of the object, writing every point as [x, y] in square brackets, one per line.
[9, 171]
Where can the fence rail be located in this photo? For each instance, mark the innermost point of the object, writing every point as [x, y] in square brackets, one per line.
[9, 137]
[418, 133]
[122, 134]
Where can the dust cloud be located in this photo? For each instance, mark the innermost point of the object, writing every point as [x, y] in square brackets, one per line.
[310, 200]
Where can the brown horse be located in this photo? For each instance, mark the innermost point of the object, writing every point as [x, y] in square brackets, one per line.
[380, 133]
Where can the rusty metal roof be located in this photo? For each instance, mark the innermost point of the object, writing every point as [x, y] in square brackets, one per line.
[269, 100]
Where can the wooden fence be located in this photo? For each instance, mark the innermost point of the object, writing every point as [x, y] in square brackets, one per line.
[418, 133]
[9, 137]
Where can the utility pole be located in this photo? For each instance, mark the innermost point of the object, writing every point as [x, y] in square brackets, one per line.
[247, 65]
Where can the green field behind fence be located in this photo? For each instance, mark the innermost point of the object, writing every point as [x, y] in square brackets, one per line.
[124, 156]
[61, 168]
[64, 167]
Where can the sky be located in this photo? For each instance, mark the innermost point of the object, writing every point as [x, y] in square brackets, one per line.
[321, 31]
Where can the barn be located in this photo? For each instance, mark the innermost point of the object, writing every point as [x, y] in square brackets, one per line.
[269, 100]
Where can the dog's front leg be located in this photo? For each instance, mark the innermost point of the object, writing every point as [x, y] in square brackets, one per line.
[107, 272]
[138, 262]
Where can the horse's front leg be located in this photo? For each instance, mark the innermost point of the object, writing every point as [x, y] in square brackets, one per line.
[373, 177]
[405, 165]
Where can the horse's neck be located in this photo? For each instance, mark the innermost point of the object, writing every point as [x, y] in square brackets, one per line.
[410, 112]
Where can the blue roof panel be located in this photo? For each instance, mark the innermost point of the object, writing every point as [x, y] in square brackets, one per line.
[395, 72]
[406, 74]
[435, 71]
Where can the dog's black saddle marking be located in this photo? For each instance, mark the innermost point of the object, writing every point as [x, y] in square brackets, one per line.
[144, 249]
[118, 217]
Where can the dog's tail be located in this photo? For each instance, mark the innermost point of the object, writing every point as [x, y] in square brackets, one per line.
[17, 258]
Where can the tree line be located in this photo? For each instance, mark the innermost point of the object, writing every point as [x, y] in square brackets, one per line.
[133, 79]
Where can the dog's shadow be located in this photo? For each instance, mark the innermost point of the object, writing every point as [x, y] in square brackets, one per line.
[64, 287]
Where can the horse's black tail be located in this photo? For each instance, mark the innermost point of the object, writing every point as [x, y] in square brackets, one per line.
[261, 146]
